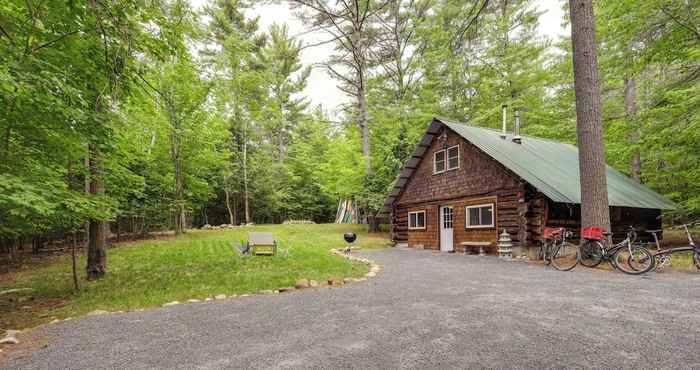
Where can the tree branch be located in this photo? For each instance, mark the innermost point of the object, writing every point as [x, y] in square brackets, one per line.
[55, 40]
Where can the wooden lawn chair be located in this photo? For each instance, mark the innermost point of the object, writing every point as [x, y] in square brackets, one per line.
[262, 244]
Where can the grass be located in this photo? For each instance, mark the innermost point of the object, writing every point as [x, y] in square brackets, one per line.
[197, 265]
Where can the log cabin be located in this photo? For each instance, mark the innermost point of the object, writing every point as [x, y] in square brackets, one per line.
[463, 185]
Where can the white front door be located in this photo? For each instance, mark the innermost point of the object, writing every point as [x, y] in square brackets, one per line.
[446, 244]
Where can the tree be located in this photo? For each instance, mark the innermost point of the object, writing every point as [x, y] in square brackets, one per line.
[594, 189]
[282, 57]
[234, 52]
[348, 24]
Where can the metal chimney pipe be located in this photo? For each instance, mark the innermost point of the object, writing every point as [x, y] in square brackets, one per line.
[503, 133]
[516, 129]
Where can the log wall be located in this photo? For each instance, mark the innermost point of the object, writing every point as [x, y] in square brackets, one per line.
[621, 218]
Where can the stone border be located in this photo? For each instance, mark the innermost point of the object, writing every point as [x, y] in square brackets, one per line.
[373, 267]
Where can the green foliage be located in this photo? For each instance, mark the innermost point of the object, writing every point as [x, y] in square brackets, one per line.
[124, 79]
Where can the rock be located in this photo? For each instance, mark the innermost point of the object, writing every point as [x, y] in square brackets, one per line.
[25, 299]
[313, 283]
[335, 281]
[244, 295]
[207, 299]
[220, 296]
[173, 303]
[9, 340]
[267, 291]
[54, 321]
[286, 289]
[359, 280]
[97, 312]
[371, 274]
[193, 300]
[16, 290]
[12, 333]
[302, 284]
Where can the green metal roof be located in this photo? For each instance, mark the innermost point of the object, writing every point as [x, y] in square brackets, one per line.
[553, 169]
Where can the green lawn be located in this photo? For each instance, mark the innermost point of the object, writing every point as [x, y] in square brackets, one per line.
[198, 265]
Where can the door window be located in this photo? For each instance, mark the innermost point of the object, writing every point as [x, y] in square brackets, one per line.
[447, 217]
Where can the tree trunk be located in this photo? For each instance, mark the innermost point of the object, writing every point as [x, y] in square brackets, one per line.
[634, 133]
[75, 262]
[97, 239]
[175, 154]
[373, 224]
[282, 149]
[364, 128]
[204, 214]
[228, 207]
[235, 209]
[245, 173]
[589, 128]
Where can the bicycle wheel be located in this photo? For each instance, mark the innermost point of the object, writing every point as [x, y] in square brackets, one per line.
[696, 259]
[634, 260]
[591, 253]
[565, 257]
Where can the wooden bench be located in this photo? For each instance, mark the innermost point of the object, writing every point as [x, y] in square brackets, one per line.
[474, 245]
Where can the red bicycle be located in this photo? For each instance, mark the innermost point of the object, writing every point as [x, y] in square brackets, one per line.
[627, 256]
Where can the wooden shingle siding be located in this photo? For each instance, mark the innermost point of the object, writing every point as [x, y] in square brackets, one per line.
[478, 178]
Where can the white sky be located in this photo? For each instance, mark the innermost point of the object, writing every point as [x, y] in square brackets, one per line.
[321, 89]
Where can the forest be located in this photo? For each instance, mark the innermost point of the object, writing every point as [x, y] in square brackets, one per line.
[134, 116]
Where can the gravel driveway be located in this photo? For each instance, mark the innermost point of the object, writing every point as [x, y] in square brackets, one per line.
[423, 310]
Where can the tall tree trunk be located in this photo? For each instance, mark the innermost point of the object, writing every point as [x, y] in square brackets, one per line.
[228, 207]
[175, 154]
[589, 128]
[282, 149]
[364, 125]
[74, 261]
[235, 209]
[97, 238]
[634, 133]
[245, 173]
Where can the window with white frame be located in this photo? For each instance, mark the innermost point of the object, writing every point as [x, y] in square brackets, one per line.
[416, 220]
[446, 159]
[453, 158]
[480, 216]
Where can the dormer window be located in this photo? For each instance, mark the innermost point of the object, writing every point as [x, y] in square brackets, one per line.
[446, 160]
